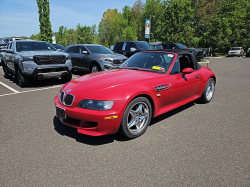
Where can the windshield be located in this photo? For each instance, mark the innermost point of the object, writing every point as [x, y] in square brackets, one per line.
[99, 49]
[143, 45]
[58, 46]
[181, 46]
[34, 46]
[149, 61]
[235, 48]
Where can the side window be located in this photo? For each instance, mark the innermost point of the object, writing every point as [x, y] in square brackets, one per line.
[172, 46]
[176, 67]
[10, 45]
[82, 49]
[186, 62]
[119, 46]
[13, 46]
[74, 49]
[130, 45]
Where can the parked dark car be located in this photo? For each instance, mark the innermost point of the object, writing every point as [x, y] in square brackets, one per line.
[157, 45]
[59, 46]
[206, 51]
[129, 48]
[197, 52]
[248, 53]
[93, 58]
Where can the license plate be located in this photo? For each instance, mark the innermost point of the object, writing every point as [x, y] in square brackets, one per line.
[60, 112]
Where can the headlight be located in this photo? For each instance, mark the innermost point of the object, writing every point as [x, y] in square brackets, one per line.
[27, 59]
[105, 59]
[95, 104]
[67, 57]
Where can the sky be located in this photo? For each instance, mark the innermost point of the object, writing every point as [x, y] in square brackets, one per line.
[20, 17]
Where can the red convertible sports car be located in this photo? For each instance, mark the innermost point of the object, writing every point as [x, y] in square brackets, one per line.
[146, 85]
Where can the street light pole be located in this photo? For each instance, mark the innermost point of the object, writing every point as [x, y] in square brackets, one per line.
[150, 26]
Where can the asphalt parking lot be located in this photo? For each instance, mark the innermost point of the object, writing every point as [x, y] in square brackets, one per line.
[194, 145]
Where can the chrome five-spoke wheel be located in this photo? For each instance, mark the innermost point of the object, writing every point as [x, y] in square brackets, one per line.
[210, 90]
[136, 118]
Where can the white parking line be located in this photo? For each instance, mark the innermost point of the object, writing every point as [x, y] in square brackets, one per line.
[6, 86]
[33, 90]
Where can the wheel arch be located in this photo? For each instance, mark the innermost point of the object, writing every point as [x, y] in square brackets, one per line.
[150, 99]
[94, 62]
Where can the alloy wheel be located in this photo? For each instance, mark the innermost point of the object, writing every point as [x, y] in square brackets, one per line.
[210, 90]
[138, 117]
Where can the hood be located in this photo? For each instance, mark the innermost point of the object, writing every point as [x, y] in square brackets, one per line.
[32, 53]
[120, 79]
[114, 56]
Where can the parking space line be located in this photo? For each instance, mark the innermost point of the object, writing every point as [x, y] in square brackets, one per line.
[6, 86]
[33, 90]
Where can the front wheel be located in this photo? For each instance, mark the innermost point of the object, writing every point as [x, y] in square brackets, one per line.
[22, 80]
[95, 68]
[136, 118]
[67, 77]
[6, 72]
[208, 92]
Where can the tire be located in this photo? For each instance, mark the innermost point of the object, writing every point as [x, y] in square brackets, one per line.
[136, 118]
[22, 80]
[208, 91]
[94, 68]
[6, 72]
[67, 77]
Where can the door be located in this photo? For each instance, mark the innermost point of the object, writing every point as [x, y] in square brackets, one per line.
[74, 54]
[184, 86]
[83, 61]
[128, 47]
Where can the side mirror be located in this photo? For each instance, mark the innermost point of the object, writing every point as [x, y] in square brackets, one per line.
[9, 51]
[187, 71]
[59, 50]
[84, 52]
[132, 49]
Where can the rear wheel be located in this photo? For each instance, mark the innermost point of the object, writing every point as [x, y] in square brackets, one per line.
[136, 118]
[208, 92]
[22, 80]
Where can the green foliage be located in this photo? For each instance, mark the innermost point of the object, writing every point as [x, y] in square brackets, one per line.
[218, 24]
[44, 19]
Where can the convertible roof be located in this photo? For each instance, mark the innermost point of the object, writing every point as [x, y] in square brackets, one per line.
[179, 52]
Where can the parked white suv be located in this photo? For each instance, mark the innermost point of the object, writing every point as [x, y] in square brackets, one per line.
[236, 51]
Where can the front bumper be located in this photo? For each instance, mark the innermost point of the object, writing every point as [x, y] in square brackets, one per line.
[234, 54]
[30, 68]
[92, 122]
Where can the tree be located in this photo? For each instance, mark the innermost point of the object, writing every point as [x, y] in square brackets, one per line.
[176, 22]
[44, 19]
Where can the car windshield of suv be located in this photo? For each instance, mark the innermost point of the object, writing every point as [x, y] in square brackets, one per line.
[154, 61]
[143, 45]
[34, 46]
[99, 49]
[58, 46]
[181, 46]
[235, 48]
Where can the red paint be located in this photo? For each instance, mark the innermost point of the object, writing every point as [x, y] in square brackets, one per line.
[123, 85]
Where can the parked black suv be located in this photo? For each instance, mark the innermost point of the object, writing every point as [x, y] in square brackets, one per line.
[199, 54]
[93, 57]
[131, 47]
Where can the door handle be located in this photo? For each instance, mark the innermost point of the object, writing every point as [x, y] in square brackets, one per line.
[197, 77]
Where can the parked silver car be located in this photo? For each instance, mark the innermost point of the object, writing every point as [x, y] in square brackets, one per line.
[236, 51]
